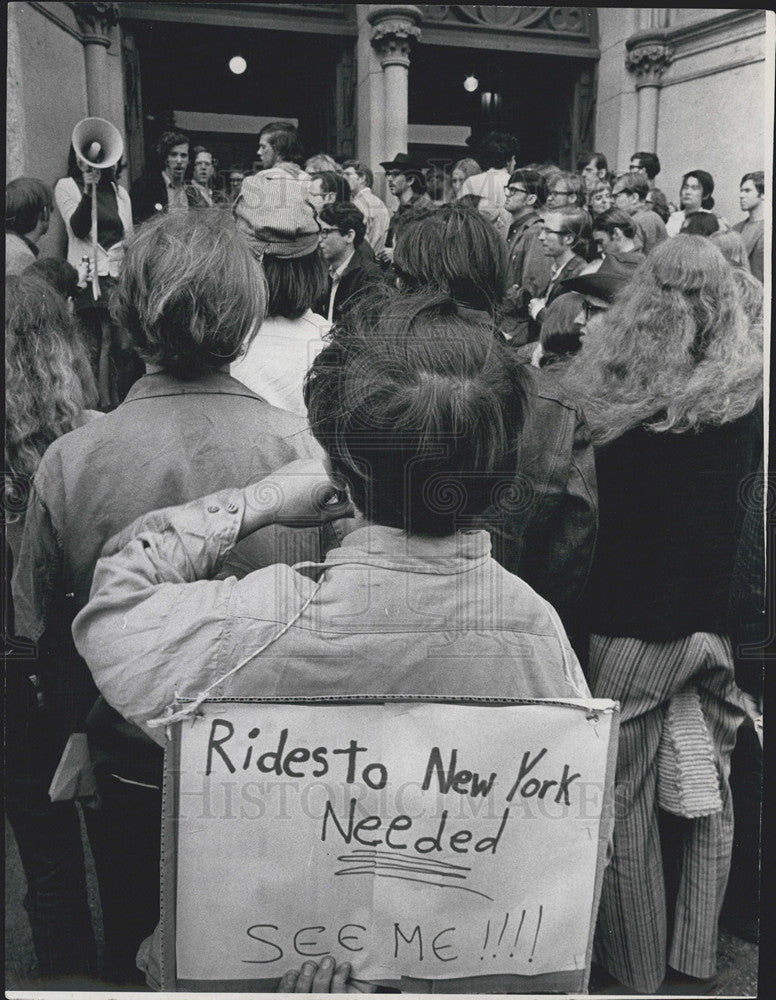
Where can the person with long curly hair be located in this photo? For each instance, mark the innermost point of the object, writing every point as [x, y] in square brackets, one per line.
[45, 398]
[670, 379]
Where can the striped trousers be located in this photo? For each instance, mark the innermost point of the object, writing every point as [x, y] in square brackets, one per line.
[633, 924]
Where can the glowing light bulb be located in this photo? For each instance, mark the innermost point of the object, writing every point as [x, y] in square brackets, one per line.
[237, 65]
[471, 83]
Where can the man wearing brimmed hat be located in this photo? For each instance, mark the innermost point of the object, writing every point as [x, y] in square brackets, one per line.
[407, 183]
[274, 214]
[598, 284]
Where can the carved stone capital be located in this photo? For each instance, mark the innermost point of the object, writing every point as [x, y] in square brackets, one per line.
[394, 29]
[95, 21]
[648, 56]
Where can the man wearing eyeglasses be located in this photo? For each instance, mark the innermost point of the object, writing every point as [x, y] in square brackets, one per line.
[565, 190]
[342, 233]
[630, 195]
[565, 231]
[530, 269]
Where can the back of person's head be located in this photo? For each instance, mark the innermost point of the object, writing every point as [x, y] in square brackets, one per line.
[496, 150]
[345, 216]
[436, 183]
[44, 396]
[363, 171]
[190, 292]
[455, 250]
[613, 219]
[659, 204]
[284, 139]
[560, 336]
[333, 183]
[578, 223]
[318, 162]
[757, 177]
[700, 224]
[634, 183]
[418, 409]
[649, 163]
[532, 181]
[706, 181]
[59, 273]
[675, 350]
[732, 247]
[598, 159]
[26, 200]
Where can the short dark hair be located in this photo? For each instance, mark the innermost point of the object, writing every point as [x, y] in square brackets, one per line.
[345, 216]
[648, 162]
[700, 224]
[58, 273]
[634, 183]
[333, 183]
[294, 284]
[361, 169]
[706, 181]
[496, 150]
[600, 161]
[418, 409]
[26, 198]
[284, 139]
[454, 249]
[613, 219]
[757, 177]
[168, 141]
[190, 292]
[532, 181]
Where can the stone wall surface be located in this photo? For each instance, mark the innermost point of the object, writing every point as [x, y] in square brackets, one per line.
[51, 81]
[615, 130]
[713, 106]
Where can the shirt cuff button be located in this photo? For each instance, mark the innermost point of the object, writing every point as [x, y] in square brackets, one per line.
[232, 508]
[212, 509]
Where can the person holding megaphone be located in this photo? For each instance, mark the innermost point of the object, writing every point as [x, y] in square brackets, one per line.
[97, 213]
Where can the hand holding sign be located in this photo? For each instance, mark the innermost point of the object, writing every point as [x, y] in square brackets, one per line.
[324, 978]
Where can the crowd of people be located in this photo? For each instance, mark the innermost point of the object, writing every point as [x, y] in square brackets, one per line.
[210, 463]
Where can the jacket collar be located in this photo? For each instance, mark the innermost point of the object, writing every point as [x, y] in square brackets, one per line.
[520, 225]
[164, 384]
[377, 545]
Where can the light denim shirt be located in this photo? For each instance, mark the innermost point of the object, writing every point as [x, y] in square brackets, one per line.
[391, 614]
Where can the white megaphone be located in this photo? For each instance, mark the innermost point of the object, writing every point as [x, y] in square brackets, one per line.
[99, 145]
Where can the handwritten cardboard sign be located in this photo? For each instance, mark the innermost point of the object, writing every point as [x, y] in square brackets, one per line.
[413, 838]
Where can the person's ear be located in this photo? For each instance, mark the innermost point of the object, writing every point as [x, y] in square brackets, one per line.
[530, 199]
[350, 236]
[617, 233]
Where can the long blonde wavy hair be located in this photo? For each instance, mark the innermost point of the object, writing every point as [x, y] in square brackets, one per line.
[44, 393]
[675, 350]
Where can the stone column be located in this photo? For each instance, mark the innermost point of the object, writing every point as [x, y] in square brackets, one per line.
[394, 28]
[647, 57]
[95, 21]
